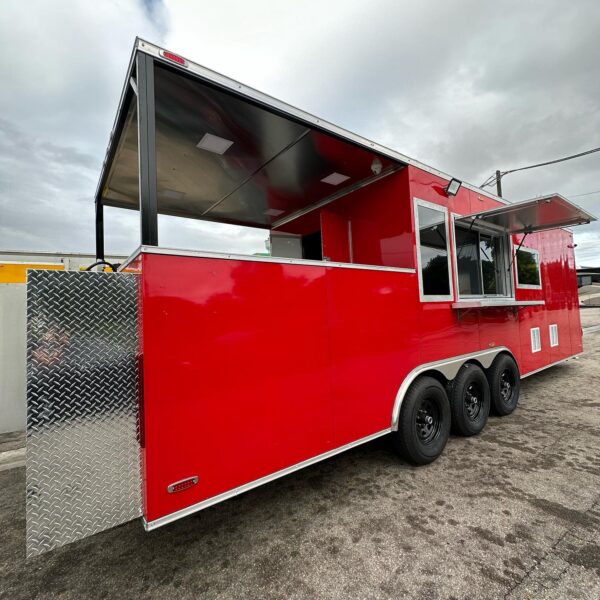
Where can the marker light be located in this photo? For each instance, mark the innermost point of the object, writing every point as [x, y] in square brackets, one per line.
[174, 58]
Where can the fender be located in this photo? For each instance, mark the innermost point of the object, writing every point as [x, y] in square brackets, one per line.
[448, 367]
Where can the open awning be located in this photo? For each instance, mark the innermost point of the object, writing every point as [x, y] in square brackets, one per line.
[225, 152]
[539, 214]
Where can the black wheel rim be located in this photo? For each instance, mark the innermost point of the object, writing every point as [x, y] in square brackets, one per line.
[506, 385]
[473, 400]
[428, 421]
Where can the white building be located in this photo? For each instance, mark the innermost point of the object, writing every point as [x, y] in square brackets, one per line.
[13, 305]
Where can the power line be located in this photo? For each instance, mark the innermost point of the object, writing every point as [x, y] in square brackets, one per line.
[552, 162]
[499, 174]
[579, 195]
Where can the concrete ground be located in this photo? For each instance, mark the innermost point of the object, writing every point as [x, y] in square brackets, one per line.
[513, 513]
[590, 318]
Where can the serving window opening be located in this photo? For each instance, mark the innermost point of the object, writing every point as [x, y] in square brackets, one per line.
[482, 263]
[483, 257]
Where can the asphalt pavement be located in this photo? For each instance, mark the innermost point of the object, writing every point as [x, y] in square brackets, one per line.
[513, 513]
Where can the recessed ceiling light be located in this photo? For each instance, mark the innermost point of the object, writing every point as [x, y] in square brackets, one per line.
[335, 179]
[214, 144]
[273, 212]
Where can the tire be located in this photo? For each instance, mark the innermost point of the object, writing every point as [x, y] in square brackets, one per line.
[424, 423]
[469, 400]
[505, 384]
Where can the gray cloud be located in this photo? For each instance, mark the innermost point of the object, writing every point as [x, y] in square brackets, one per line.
[465, 86]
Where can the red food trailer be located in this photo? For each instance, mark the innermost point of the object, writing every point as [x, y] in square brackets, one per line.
[395, 300]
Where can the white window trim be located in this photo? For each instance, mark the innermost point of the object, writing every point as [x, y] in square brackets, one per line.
[526, 286]
[509, 279]
[435, 298]
[553, 338]
[539, 337]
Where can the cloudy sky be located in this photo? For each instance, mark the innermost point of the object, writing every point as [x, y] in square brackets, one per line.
[465, 86]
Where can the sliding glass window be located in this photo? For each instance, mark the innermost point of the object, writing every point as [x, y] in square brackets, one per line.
[482, 265]
[493, 252]
[467, 260]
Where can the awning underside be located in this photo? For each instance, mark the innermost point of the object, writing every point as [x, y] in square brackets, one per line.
[273, 168]
[538, 214]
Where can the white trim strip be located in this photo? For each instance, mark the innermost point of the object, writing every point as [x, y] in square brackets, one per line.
[491, 302]
[267, 259]
[449, 367]
[562, 360]
[184, 512]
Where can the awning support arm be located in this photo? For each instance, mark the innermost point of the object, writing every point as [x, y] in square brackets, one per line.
[459, 252]
[512, 258]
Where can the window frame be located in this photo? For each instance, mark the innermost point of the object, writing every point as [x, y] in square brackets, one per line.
[527, 286]
[508, 252]
[443, 209]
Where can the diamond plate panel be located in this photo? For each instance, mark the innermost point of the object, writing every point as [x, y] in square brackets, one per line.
[83, 469]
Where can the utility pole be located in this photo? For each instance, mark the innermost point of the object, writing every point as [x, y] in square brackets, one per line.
[499, 183]
[501, 174]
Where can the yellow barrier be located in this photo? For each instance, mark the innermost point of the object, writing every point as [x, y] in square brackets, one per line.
[17, 272]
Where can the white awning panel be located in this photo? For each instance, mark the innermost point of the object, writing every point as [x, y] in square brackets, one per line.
[538, 214]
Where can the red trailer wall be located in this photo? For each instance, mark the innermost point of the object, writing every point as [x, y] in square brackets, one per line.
[236, 373]
[379, 220]
[252, 366]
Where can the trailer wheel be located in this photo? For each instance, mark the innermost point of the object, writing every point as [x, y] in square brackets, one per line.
[470, 401]
[505, 384]
[424, 423]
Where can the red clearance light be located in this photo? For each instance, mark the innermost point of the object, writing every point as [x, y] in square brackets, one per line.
[174, 57]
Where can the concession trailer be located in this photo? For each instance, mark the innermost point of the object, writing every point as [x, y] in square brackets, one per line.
[394, 300]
